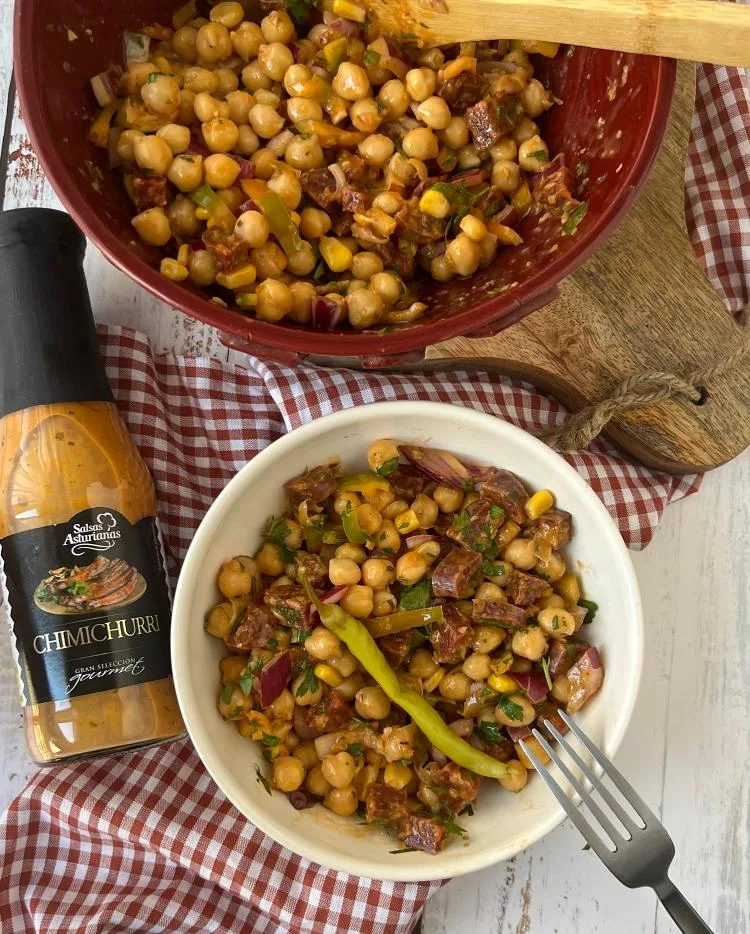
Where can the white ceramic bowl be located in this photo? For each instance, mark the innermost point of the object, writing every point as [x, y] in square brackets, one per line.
[503, 823]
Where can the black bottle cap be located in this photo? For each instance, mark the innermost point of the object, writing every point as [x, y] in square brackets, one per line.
[48, 346]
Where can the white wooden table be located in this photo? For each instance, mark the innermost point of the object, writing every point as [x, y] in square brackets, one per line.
[688, 746]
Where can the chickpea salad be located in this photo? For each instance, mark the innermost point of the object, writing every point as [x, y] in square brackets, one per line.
[398, 633]
[315, 171]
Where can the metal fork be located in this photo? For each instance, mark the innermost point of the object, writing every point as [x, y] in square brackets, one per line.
[639, 856]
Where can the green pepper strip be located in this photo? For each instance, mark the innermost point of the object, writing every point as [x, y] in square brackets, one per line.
[352, 528]
[333, 537]
[359, 482]
[205, 197]
[280, 221]
[364, 648]
[335, 54]
[406, 619]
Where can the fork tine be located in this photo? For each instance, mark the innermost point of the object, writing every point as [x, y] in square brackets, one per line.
[626, 820]
[587, 832]
[633, 798]
[586, 798]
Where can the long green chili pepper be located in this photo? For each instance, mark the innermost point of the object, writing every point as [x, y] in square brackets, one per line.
[364, 648]
[280, 221]
[352, 529]
[359, 482]
[405, 619]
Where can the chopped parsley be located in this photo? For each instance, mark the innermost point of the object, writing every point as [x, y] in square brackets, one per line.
[288, 613]
[402, 526]
[555, 622]
[354, 749]
[297, 636]
[319, 271]
[381, 107]
[262, 779]
[416, 597]
[460, 521]
[467, 810]
[78, 588]
[492, 569]
[488, 732]
[496, 512]
[574, 218]
[511, 709]
[387, 468]
[406, 36]
[153, 76]
[301, 10]
[277, 532]
[540, 155]
[371, 57]
[269, 740]
[417, 638]
[591, 609]
[309, 683]
[406, 849]
[246, 681]
[226, 694]
[452, 828]
[273, 644]
[45, 594]
[545, 669]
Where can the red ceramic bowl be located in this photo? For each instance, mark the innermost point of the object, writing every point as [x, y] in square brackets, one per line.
[610, 127]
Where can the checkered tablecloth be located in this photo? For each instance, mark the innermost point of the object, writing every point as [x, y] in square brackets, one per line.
[145, 842]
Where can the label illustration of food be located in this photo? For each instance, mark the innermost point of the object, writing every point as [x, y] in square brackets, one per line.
[90, 605]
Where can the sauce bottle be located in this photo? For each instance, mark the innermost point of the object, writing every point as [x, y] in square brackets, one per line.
[82, 570]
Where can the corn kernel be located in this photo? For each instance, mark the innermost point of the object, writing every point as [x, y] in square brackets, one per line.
[502, 684]
[406, 522]
[183, 254]
[434, 204]
[474, 228]
[569, 588]
[536, 748]
[202, 214]
[337, 256]
[431, 683]
[542, 501]
[246, 299]
[396, 775]
[328, 674]
[238, 278]
[348, 10]
[173, 270]
[504, 663]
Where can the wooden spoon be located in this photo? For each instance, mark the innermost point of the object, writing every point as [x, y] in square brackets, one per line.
[697, 30]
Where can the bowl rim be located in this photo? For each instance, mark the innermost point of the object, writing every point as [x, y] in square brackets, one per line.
[182, 615]
[501, 310]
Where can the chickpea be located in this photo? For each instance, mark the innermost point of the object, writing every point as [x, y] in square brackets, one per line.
[228, 14]
[552, 599]
[338, 769]
[219, 624]
[265, 163]
[426, 510]
[561, 688]
[220, 170]
[203, 270]
[447, 499]
[487, 638]
[302, 693]
[161, 94]
[536, 748]
[369, 519]
[441, 269]
[315, 783]
[300, 108]
[303, 295]
[383, 603]
[343, 572]
[420, 83]
[228, 81]
[302, 261]
[455, 686]
[126, 144]
[274, 299]
[395, 509]
[254, 78]
[552, 569]
[270, 261]
[183, 43]
[390, 202]
[354, 552]
[152, 153]
[351, 82]
[246, 40]
[434, 113]
[364, 308]
[422, 664]
[420, 143]
[525, 130]
[487, 249]
[520, 554]
[322, 644]
[265, 121]
[152, 226]
[469, 498]
[520, 665]
[364, 266]
[275, 58]
[207, 107]
[455, 134]
[504, 150]
[349, 686]
[388, 538]
[314, 223]
[556, 622]
[247, 140]
[238, 577]
[220, 134]
[357, 601]
[378, 573]
[186, 112]
[237, 705]
[395, 97]
[232, 666]
[213, 42]
[376, 149]
[517, 776]
[491, 592]
[388, 287]
[506, 176]
[285, 185]
[411, 568]
[474, 228]
[277, 27]
[463, 254]
[527, 712]
[342, 801]
[533, 154]
[529, 643]
[365, 115]
[304, 153]
[252, 227]
[366, 776]
[477, 667]
[380, 499]
[288, 773]
[372, 703]
[200, 80]
[345, 663]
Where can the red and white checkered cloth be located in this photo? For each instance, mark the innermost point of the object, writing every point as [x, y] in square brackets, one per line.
[145, 842]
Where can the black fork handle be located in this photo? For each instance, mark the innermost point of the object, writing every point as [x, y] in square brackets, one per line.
[681, 911]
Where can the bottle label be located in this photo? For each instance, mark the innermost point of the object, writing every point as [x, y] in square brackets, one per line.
[89, 605]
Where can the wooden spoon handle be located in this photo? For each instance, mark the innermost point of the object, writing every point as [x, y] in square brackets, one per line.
[696, 30]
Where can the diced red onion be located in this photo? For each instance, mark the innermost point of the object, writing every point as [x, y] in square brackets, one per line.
[274, 678]
[519, 732]
[136, 48]
[112, 154]
[414, 541]
[104, 92]
[420, 168]
[197, 148]
[443, 466]
[247, 168]
[346, 28]
[327, 313]
[469, 178]
[295, 48]
[553, 166]
[462, 728]
[320, 71]
[532, 683]
[390, 58]
[508, 216]
[278, 144]
[248, 205]
[579, 615]
[585, 678]
[335, 594]
[338, 174]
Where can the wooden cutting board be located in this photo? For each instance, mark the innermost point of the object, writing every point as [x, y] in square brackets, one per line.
[642, 302]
